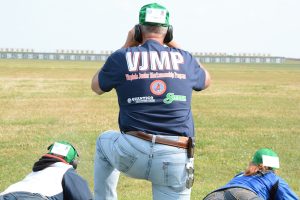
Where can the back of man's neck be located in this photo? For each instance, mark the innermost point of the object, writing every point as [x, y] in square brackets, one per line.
[157, 39]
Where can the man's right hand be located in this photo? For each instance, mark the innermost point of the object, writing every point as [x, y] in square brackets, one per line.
[130, 41]
[173, 44]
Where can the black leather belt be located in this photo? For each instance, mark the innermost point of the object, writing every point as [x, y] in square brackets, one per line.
[182, 142]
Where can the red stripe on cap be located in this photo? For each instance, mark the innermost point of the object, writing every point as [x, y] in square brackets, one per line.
[57, 157]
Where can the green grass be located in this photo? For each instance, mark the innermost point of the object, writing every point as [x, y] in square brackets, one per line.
[248, 106]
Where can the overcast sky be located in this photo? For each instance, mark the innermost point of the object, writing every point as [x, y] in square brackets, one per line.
[225, 26]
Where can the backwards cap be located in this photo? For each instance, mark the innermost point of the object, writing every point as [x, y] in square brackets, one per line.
[65, 149]
[267, 157]
[154, 15]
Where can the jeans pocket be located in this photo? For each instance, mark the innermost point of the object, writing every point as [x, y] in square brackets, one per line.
[124, 158]
[174, 173]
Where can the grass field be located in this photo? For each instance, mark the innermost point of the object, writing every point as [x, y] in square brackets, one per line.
[248, 106]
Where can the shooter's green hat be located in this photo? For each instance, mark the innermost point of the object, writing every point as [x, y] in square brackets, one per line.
[154, 15]
[267, 157]
[64, 149]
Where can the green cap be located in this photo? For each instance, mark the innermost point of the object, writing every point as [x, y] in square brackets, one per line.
[267, 157]
[154, 15]
[64, 149]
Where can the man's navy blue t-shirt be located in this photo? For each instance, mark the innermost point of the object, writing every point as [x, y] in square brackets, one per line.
[154, 84]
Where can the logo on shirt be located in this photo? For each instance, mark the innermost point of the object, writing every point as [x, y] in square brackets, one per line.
[170, 97]
[158, 87]
[154, 61]
[146, 99]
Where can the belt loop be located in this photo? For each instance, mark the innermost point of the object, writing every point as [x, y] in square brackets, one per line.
[153, 139]
[152, 145]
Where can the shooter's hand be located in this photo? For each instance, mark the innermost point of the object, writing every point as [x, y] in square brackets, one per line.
[173, 44]
[130, 41]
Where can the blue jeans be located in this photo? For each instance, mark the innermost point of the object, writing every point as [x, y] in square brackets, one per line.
[163, 165]
[22, 196]
[233, 194]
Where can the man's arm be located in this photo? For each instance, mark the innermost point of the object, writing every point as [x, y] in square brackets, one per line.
[95, 84]
[174, 44]
[130, 41]
[284, 191]
[207, 77]
[75, 187]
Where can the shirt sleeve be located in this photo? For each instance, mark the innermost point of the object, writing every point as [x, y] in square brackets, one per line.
[284, 192]
[197, 76]
[75, 187]
[112, 72]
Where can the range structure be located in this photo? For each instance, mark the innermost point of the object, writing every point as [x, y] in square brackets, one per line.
[86, 55]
